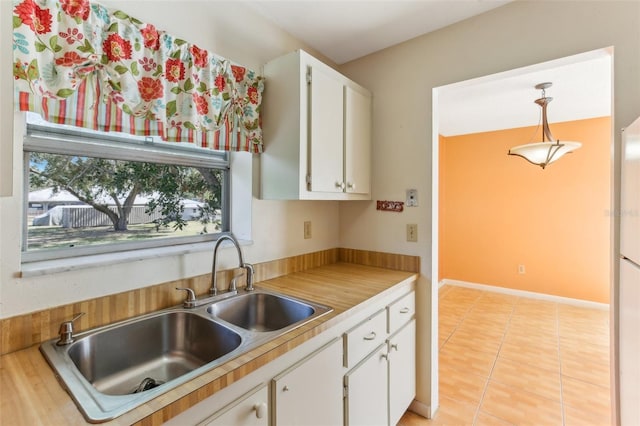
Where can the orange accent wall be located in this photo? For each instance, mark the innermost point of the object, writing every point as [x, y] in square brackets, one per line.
[498, 212]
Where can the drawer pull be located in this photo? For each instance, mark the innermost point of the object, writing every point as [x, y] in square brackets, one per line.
[260, 409]
[404, 310]
[370, 336]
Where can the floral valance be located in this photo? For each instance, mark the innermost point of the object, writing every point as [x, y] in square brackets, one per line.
[79, 63]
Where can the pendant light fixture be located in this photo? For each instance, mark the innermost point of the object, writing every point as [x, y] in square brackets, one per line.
[546, 152]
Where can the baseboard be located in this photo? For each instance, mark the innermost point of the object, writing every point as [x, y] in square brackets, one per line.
[421, 409]
[528, 294]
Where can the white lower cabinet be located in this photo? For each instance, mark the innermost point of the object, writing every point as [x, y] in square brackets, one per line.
[310, 392]
[380, 388]
[250, 410]
[402, 371]
[366, 389]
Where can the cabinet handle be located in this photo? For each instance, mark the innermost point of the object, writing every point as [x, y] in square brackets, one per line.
[394, 346]
[370, 336]
[384, 356]
[351, 185]
[260, 409]
[404, 310]
[285, 388]
[340, 185]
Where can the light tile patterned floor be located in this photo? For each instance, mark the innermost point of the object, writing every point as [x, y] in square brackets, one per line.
[507, 360]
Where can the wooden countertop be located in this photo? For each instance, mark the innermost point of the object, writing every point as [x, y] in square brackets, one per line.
[31, 395]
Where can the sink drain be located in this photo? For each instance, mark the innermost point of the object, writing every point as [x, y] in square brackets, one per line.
[146, 384]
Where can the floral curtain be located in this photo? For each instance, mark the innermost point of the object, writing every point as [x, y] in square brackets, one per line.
[78, 63]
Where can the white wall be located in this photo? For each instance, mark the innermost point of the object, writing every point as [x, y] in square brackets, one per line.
[402, 78]
[230, 30]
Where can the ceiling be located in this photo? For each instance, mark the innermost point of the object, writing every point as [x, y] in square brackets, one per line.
[344, 30]
[581, 89]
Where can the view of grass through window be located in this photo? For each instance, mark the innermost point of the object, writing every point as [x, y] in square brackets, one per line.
[76, 201]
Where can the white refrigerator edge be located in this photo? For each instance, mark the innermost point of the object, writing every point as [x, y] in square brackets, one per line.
[628, 312]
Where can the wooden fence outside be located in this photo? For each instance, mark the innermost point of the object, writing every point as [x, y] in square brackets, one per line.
[85, 217]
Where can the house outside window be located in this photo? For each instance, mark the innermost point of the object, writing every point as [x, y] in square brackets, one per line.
[92, 192]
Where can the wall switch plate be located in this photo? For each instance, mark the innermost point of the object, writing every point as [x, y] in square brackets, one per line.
[307, 229]
[412, 198]
[412, 233]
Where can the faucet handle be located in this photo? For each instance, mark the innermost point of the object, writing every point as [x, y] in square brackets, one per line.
[66, 330]
[232, 284]
[190, 301]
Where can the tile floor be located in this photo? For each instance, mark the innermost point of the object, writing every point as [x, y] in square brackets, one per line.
[508, 360]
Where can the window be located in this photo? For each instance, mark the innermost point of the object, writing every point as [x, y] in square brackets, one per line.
[91, 192]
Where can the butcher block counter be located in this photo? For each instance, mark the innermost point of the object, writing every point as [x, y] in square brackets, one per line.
[30, 393]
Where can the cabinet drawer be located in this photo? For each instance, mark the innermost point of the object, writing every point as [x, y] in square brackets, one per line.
[364, 338]
[401, 311]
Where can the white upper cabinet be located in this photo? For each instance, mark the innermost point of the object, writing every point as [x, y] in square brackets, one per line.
[317, 130]
[326, 113]
[357, 141]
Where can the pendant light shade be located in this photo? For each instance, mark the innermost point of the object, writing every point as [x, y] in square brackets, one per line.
[544, 153]
[549, 150]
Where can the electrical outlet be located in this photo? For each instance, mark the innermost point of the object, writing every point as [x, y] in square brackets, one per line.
[412, 198]
[521, 269]
[307, 229]
[412, 233]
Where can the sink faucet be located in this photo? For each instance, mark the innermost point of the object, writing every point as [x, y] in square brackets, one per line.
[241, 264]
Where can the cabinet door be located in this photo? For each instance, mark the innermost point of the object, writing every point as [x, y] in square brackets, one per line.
[357, 124]
[310, 393]
[326, 115]
[250, 410]
[402, 371]
[366, 401]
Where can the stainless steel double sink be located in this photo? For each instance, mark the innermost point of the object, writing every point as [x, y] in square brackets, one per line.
[113, 369]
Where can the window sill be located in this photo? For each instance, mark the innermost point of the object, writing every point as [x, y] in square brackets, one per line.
[54, 266]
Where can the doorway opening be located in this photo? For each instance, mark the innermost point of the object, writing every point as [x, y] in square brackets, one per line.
[506, 230]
